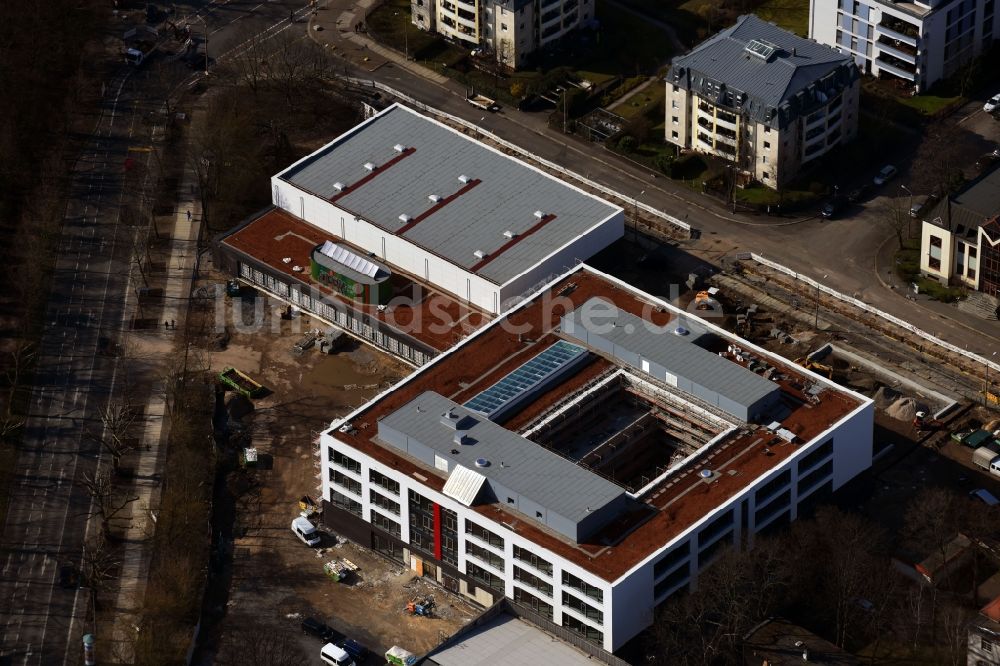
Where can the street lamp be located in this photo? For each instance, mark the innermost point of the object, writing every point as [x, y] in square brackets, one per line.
[406, 37]
[635, 215]
[907, 190]
[816, 317]
[987, 393]
[205, 26]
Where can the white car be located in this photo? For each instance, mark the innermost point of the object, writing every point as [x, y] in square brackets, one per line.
[992, 103]
[305, 531]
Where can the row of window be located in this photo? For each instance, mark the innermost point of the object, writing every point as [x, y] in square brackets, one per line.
[346, 482]
[532, 580]
[383, 502]
[484, 554]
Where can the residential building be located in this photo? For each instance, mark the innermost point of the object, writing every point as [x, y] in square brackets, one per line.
[915, 43]
[778, 642]
[984, 637]
[587, 454]
[960, 237]
[763, 99]
[509, 30]
[409, 234]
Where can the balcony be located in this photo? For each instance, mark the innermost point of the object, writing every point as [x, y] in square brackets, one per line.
[549, 17]
[468, 17]
[890, 48]
[884, 41]
[814, 133]
[727, 151]
[728, 141]
[705, 108]
[726, 120]
[706, 123]
[815, 119]
[901, 30]
[471, 4]
[707, 140]
[896, 67]
[725, 133]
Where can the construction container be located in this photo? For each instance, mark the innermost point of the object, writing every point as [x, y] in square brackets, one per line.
[400, 657]
[986, 454]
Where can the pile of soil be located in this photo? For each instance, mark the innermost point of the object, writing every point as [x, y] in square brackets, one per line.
[905, 409]
[885, 396]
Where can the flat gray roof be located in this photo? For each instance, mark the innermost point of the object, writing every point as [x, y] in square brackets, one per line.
[515, 463]
[680, 355]
[508, 641]
[505, 198]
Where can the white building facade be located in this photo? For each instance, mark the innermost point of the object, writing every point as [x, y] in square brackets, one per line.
[479, 551]
[918, 42]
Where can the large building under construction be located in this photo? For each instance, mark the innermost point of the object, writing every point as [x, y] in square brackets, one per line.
[587, 454]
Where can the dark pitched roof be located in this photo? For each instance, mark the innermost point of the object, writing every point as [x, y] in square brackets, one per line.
[777, 642]
[973, 207]
[796, 76]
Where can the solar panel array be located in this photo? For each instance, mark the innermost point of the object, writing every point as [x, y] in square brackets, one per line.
[524, 378]
[353, 261]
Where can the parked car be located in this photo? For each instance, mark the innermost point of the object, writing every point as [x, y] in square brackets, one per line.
[833, 207]
[923, 204]
[357, 651]
[992, 104]
[887, 173]
[987, 160]
[321, 630]
[859, 194]
[305, 531]
[335, 656]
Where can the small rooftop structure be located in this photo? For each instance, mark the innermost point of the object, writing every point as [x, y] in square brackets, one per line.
[345, 261]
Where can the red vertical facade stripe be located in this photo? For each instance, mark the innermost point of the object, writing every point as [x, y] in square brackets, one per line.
[437, 531]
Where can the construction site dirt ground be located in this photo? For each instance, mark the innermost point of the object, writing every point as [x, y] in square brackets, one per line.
[275, 580]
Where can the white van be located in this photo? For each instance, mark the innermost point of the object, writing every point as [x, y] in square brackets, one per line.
[305, 531]
[986, 496]
[335, 656]
[995, 467]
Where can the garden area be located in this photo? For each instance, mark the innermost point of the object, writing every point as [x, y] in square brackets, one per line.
[908, 269]
[694, 20]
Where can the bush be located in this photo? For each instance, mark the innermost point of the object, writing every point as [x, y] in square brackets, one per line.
[687, 166]
[627, 144]
[517, 90]
[664, 163]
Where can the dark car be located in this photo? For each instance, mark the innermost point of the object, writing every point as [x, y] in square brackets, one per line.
[923, 204]
[859, 194]
[833, 207]
[321, 630]
[357, 651]
[987, 160]
[69, 577]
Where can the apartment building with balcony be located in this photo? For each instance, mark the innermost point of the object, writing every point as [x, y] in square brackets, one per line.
[917, 43]
[587, 455]
[509, 30]
[960, 237]
[762, 98]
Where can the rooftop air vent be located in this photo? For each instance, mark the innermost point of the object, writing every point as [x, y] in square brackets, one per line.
[370, 166]
[435, 198]
[450, 419]
[479, 254]
[509, 234]
[404, 218]
[464, 179]
[680, 330]
[399, 147]
[705, 474]
[339, 186]
[482, 462]
[539, 214]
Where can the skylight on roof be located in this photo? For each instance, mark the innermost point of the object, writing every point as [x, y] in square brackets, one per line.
[761, 49]
[524, 378]
[344, 256]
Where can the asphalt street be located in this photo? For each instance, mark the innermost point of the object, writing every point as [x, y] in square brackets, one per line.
[49, 511]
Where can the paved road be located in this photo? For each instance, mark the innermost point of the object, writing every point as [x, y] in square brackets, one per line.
[840, 253]
[49, 510]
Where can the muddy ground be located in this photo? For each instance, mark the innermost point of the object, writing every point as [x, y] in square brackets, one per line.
[275, 580]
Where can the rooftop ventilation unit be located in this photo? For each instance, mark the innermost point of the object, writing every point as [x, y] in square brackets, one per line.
[369, 166]
[464, 179]
[509, 234]
[436, 198]
[705, 474]
[399, 147]
[482, 462]
[404, 218]
[539, 214]
[339, 186]
[680, 330]
[479, 254]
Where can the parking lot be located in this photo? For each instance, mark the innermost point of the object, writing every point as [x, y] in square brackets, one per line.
[276, 581]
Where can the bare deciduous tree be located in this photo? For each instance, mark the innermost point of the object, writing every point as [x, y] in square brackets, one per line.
[894, 215]
[117, 417]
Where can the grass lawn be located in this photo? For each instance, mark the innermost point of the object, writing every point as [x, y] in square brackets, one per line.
[792, 15]
[929, 104]
[908, 269]
[763, 196]
[642, 101]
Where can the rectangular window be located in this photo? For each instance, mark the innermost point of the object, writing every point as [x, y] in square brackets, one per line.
[385, 524]
[350, 464]
[973, 252]
[935, 241]
[584, 630]
[346, 503]
[674, 120]
[588, 611]
[986, 645]
[530, 558]
[671, 559]
[346, 482]
[481, 575]
[531, 580]
[814, 457]
[483, 534]
[716, 527]
[673, 134]
[484, 554]
[533, 602]
[383, 502]
[673, 104]
[571, 581]
[503, 27]
[383, 481]
[934, 264]
[773, 486]
[767, 144]
[763, 159]
[815, 477]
